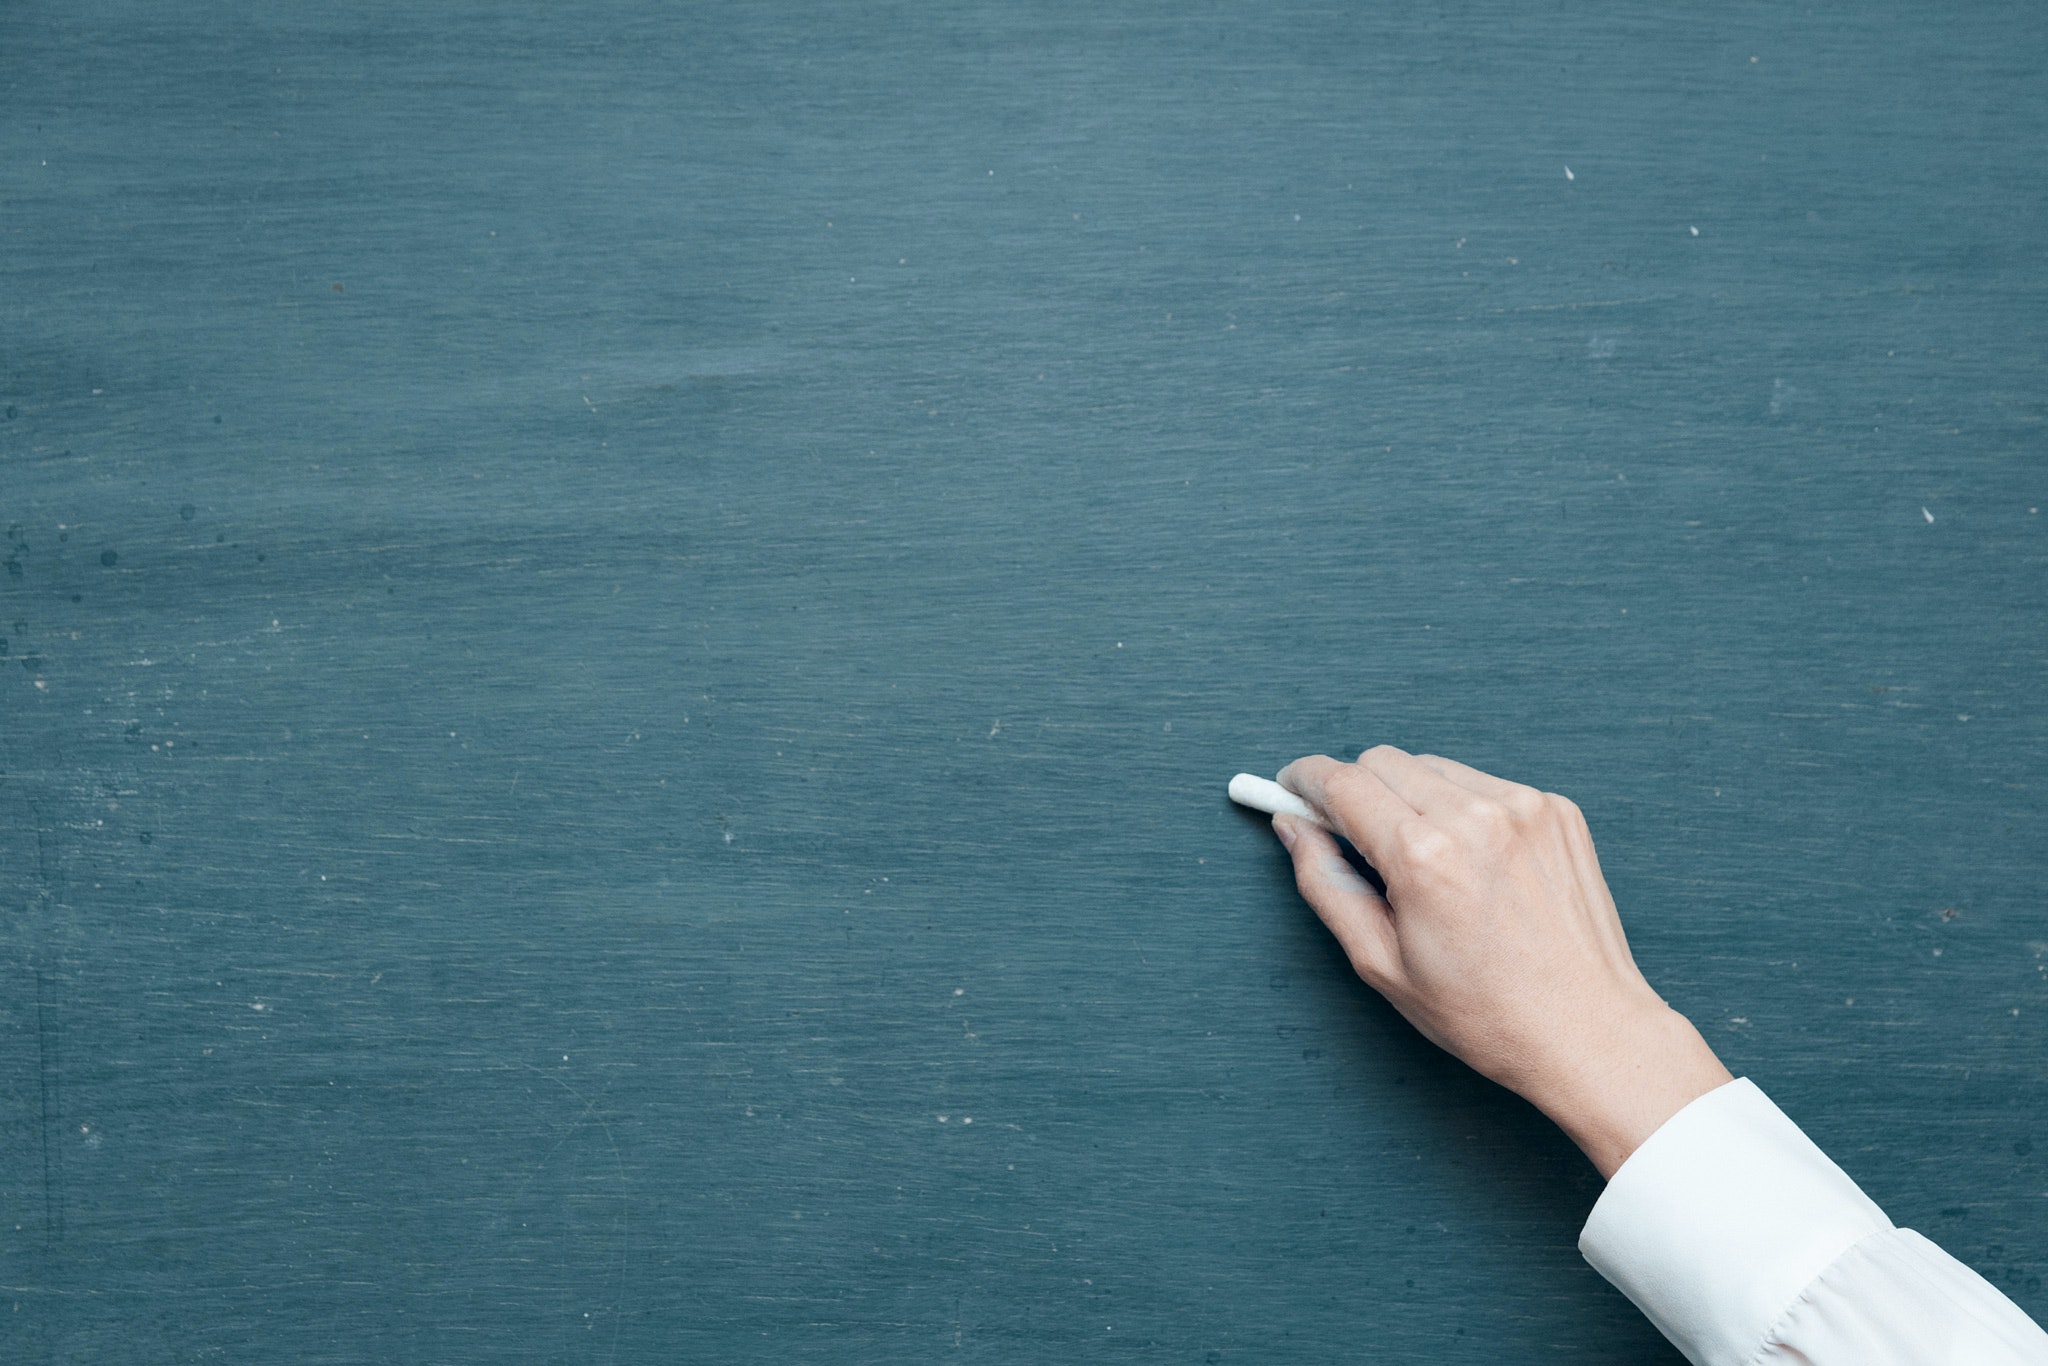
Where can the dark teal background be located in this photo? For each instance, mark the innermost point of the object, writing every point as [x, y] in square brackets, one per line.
[620, 617]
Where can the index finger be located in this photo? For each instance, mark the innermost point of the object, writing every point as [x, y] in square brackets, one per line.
[1362, 808]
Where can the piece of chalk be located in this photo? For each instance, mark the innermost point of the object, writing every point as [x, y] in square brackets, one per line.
[1262, 794]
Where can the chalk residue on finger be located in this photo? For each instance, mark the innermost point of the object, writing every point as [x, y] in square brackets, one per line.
[1262, 794]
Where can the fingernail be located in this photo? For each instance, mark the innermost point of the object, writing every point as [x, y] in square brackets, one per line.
[1284, 828]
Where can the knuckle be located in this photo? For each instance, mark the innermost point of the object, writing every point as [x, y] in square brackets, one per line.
[1564, 808]
[1492, 819]
[1525, 802]
[1379, 752]
[1422, 845]
[1486, 811]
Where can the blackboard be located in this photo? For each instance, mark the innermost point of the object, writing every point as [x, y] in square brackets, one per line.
[625, 624]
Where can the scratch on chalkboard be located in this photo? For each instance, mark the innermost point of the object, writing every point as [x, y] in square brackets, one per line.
[591, 1111]
[1584, 303]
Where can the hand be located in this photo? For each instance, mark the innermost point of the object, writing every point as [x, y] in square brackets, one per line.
[1497, 939]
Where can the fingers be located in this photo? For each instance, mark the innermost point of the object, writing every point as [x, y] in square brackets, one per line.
[1362, 807]
[1397, 806]
[1357, 915]
[1521, 799]
[1421, 786]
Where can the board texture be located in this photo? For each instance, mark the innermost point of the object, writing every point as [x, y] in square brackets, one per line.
[625, 623]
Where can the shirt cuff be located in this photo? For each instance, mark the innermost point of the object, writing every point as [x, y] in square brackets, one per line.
[1718, 1222]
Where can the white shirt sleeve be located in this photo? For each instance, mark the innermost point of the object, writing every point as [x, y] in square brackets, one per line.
[1746, 1246]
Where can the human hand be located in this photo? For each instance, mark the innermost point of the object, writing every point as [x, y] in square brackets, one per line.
[1497, 939]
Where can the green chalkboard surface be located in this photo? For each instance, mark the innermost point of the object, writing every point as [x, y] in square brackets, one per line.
[625, 624]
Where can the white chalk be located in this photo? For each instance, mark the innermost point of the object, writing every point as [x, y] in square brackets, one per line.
[1261, 794]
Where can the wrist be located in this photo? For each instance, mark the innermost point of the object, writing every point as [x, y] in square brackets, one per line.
[1652, 1064]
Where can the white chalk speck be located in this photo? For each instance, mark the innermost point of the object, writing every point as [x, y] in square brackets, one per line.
[1568, 174]
[1695, 232]
[959, 991]
[1928, 515]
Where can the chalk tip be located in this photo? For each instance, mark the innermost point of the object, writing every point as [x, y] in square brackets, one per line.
[1263, 794]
